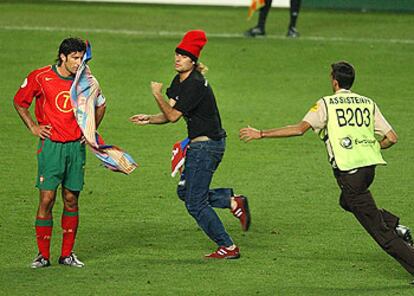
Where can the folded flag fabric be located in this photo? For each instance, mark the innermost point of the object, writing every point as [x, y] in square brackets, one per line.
[113, 157]
[255, 5]
[85, 96]
[178, 156]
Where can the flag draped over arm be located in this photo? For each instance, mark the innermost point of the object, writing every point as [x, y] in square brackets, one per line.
[85, 95]
[256, 5]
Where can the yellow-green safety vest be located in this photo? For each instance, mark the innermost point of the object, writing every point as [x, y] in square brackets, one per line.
[350, 129]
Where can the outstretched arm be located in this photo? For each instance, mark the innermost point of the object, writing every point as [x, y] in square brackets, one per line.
[168, 113]
[249, 133]
[144, 119]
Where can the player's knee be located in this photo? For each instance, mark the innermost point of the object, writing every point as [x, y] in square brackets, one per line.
[47, 200]
[70, 198]
[194, 210]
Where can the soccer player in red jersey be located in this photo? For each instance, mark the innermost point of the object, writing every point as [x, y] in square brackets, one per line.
[61, 151]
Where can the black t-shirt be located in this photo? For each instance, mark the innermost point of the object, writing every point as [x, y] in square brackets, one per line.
[195, 99]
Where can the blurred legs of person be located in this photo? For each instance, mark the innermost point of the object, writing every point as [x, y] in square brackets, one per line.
[260, 31]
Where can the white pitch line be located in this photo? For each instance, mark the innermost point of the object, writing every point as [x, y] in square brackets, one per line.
[215, 35]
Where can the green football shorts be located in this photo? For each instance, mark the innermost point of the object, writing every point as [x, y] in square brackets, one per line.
[60, 163]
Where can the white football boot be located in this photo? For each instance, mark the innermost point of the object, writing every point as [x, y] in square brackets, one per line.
[72, 260]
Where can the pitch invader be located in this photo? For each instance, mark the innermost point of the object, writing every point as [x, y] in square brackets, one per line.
[191, 97]
[61, 149]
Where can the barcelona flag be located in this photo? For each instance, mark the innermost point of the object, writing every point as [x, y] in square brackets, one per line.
[178, 156]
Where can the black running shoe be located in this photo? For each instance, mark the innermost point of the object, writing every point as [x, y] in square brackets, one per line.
[292, 33]
[255, 32]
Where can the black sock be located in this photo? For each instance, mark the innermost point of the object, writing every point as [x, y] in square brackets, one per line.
[294, 12]
[263, 14]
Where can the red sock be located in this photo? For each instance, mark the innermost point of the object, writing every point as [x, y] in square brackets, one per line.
[44, 228]
[70, 221]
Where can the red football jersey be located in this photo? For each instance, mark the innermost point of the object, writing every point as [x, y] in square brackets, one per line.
[53, 106]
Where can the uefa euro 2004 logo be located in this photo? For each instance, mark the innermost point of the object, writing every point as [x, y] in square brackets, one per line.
[63, 103]
[346, 143]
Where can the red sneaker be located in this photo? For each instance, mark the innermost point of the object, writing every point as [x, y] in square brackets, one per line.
[224, 253]
[242, 211]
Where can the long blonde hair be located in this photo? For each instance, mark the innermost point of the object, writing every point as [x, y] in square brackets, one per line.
[200, 67]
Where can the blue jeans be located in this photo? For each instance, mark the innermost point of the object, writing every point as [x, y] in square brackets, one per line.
[201, 162]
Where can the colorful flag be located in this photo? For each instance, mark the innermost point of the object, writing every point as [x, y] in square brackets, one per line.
[85, 95]
[178, 156]
[256, 5]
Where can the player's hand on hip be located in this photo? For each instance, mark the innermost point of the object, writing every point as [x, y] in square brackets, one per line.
[248, 134]
[42, 131]
[156, 88]
[140, 119]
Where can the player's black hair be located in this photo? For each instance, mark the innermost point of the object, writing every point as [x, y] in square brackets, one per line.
[344, 73]
[70, 45]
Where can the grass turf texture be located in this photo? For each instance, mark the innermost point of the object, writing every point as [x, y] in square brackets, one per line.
[135, 235]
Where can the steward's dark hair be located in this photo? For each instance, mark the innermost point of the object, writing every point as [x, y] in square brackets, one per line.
[70, 45]
[344, 73]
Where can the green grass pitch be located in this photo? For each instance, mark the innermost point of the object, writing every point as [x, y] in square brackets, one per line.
[135, 235]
